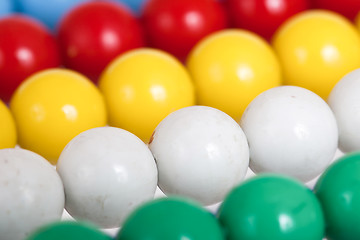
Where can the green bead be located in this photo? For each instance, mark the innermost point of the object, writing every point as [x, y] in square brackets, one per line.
[338, 190]
[170, 219]
[272, 207]
[69, 230]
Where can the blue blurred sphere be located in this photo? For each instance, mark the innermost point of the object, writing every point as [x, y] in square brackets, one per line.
[49, 12]
[6, 7]
[134, 5]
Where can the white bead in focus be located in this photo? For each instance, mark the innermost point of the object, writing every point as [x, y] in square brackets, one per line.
[31, 193]
[201, 153]
[291, 131]
[344, 100]
[106, 172]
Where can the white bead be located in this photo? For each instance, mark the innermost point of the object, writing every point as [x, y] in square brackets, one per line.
[290, 130]
[200, 152]
[31, 193]
[344, 100]
[106, 172]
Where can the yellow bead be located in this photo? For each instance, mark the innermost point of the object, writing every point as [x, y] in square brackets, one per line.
[7, 128]
[52, 107]
[230, 68]
[142, 87]
[316, 49]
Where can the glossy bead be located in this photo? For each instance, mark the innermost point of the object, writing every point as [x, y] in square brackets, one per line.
[68, 230]
[106, 173]
[348, 8]
[8, 135]
[141, 87]
[290, 130]
[230, 68]
[53, 106]
[176, 26]
[344, 101]
[316, 49]
[93, 34]
[170, 218]
[48, 12]
[263, 16]
[31, 193]
[201, 153]
[270, 207]
[339, 194]
[26, 47]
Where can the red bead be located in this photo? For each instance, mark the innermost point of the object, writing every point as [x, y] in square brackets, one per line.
[177, 25]
[263, 16]
[26, 46]
[94, 33]
[348, 8]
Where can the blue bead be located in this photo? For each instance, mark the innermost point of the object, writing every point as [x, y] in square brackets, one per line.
[49, 12]
[6, 7]
[134, 5]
